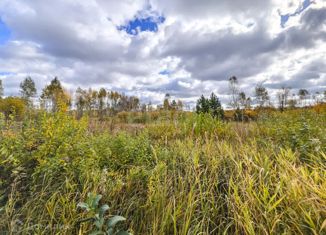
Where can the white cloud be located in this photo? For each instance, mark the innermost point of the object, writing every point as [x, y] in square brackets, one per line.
[200, 44]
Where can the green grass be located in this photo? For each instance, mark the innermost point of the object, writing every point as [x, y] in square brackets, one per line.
[189, 175]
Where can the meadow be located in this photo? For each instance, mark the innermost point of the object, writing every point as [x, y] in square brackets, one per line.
[168, 172]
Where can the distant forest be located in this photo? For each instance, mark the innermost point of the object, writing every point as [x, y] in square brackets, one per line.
[103, 102]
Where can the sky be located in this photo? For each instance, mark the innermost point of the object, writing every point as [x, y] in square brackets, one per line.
[152, 47]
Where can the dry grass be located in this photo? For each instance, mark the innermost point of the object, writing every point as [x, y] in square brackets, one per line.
[193, 175]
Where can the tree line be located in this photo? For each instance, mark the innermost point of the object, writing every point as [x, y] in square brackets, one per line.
[104, 102]
[91, 102]
[239, 102]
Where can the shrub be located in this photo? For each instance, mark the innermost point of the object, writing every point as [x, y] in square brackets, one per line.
[13, 106]
[194, 174]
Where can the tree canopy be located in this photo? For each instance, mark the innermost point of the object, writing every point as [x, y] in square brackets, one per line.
[56, 95]
[27, 88]
[212, 106]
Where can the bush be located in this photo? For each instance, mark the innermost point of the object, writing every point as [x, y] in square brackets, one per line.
[13, 106]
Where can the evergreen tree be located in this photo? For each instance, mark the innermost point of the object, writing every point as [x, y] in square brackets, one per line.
[212, 106]
[215, 106]
[202, 105]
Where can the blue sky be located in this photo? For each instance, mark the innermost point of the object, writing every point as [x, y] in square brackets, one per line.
[4, 32]
[303, 6]
[142, 24]
[165, 72]
[4, 37]
[5, 73]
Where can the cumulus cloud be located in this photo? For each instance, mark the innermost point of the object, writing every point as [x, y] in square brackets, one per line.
[191, 9]
[199, 45]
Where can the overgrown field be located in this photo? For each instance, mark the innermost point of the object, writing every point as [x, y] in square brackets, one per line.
[190, 174]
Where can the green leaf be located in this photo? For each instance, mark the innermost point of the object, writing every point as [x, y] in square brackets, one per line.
[103, 209]
[110, 231]
[83, 205]
[98, 198]
[93, 200]
[114, 220]
[99, 223]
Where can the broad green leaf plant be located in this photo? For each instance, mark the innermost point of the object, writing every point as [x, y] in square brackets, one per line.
[96, 213]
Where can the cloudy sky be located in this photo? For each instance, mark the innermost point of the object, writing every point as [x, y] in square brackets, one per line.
[151, 47]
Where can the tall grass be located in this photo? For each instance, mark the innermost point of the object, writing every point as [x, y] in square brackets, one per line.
[193, 175]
